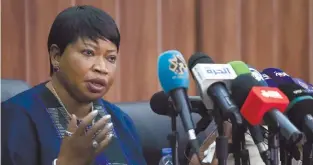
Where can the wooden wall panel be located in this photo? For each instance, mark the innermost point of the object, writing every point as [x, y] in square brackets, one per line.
[178, 29]
[311, 41]
[220, 29]
[258, 33]
[13, 48]
[139, 53]
[294, 37]
[263, 33]
[39, 18]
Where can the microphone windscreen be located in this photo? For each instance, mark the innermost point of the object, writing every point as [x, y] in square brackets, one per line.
[270, 82]
[257, 75]
[300, 103]
[159, 103]
[172, 71]
[292, 90]
[241, 86]
[199, 58]
[239, 67]
[303, 84]
[278, 75]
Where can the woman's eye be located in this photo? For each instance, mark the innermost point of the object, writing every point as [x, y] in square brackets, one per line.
[88, 52]
[112, 59]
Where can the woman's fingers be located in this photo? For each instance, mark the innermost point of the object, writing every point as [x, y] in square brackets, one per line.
[72, 125]
[104, 133]
[99, 125]
[85, 122]
[104, 143]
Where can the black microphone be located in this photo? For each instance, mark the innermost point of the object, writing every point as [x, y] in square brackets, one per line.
[299, 110]
[256, 131]
[162, 104]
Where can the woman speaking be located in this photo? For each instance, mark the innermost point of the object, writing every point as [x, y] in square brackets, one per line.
[65, 121]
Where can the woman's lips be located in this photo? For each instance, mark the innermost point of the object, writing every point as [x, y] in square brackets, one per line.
[96, 85]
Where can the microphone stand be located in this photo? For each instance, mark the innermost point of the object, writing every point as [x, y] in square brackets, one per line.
[173, 139]
[273, 143]
[202, 124]
[307, 154]
[285, 155]
[308, 145]
[221, 140]
[241, 155]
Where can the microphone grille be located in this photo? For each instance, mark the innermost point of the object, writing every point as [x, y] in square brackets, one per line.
[159, 103]
[199, 58]
[241, 87]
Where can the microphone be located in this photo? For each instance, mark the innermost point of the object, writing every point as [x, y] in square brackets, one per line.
[303, 84]
[213, 80]
[270, 82]
[268, 104]
[256, 130]
[174, 78]
[162, 104]
[299, 110]
[281, 77]
[254, 73]
[278, 76]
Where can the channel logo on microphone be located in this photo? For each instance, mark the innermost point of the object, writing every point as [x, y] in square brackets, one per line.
[271, 94]
[218, 71]
[265, 76]
[178, 64]
[256, 74]
[281, 74]
[172, 71]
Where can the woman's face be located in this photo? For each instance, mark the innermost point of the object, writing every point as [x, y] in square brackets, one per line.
[87, 68]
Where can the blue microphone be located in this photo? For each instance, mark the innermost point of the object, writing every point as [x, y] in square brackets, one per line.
[268, 80]
[306, 86]
[174, 78]
[279, 76]
[172, 71]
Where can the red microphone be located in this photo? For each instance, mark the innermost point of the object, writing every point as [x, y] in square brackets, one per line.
[266, 104]
[266, 99]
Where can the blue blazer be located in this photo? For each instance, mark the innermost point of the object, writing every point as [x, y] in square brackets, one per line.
[29, 137]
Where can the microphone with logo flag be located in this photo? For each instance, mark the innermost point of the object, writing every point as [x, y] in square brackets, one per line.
[255, 130]
[268, 104]
[299, 110]
[296, 91]
[174, 78]
[213, 81]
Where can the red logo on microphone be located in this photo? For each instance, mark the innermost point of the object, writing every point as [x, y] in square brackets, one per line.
[260, 100]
